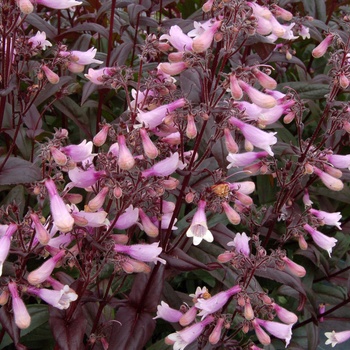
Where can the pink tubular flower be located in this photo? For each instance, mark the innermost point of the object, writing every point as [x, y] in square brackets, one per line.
[128, 218]
[255, 136]
[241, 243]
[284, 315]
[279, 330]
[199, 228]
[51, 76]
[230, 143]
[331, 219]
[258, 97]
[148, 226]
[61, 216]
[188, 335]
[156, 116]
[188, 317]
[85, 57]
[339, 161]
[323, 241]
[167, 313]
[236, 90]
[178, 39]
[79, 153]
[231, 214]
[84, 218]
[98, 76]
[85, 178]
[126, 160]
[335, 338]
[142, 252]
[59, 5]
[60, 299]
[244, 159]
[97, 202]
[202, 42]
[5, 243]
[163, 168]
[22, 317]
[149, 148]
[265, 80]
[263, 337]
[191, 129]
[101, 137]
[42, 273]
[216, 333]
[294, 268]
[40, 231]
[323, 46]
[213, 304]
[39, 40]
[172, 68]
[25, 6]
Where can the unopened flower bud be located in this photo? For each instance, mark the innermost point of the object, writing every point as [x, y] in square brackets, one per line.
[188, 317]
[191, 129]
[323, 46]
[59, 157]
[333, 171]
[149, 148]
[171, 183]
[4, 297]
[74, 198]
[117, 192]
[101, 137]
[40, 232]
[248, 310]
[25, 6]
[230, 143]
[216, 333]
[289, 117]
[258, 97]
[97, 202]
[343, 81]
[189, 197]
[265, 81]
[231, 214]
[149, 227]
[126, 160]
[207, 6]
[302, 242]
[225, 257]
[52, 77]
[236, 90]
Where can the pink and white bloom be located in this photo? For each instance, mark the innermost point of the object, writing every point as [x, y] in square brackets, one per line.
[142, 252]
[255, 136]
[85, 178]
[39, 41]
[339, 161]
[22, 317]
[41, 233]
[202, 42]
[51, 76]
[279, 330]
[284, 315]
[199, 227]
[174, 68]
[178, 39]
[257, 97]
[147, 225]
[329, 181]
[163, 168]
[156, 116]
[216, 302]
[5, 244]
[244, 159]
[97, 202]
[331, 219]
[294, 268]
[320, 239]
[85, 218]
[99, 76]
[216, 333]
[25, 6]
[323, 46]
[126, 160]
[79, 153]
[245, 187]
[59, 211]
[128, 218]
[59, 5]
[42, 273]
[231, 214]
[60, 299]
[167, 313]
[85, 57]
[188, 335]
[241, 243]
[335, 338]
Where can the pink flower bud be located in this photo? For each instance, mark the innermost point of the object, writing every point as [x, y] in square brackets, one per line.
[284, 315]
[5, 244]
[282, 13]
[148, 226]
[52, 77]
[263, 337]
[216, 333]
[4, 297]
[133, 266]
[61, 216]
[258, 97]
[79, 153]
[40, 232]
[191, 129]
[98, 76]
[323, 46]
[202, 42]
[236, 90]
[343, 81]
[101, 137]
[22, 317]
[225, 257]
[248, 310]
[333, 171]
[289, 117]
[126, 160]
[163, 168]
[265, 80]
[176, 56]
[188, 317]
[75, 67]
[244, 159]
[306, 198]
[59, 5]
[230, 143]
[302, 242]
[172, 68]
[149, 148]
[25, 6]
[329, 181]
[231, 214]
[59, 157]
[170, 184]
[97, 202]
[241, 243]
[207, 6]
[279, 330]
[128, 218]
[294, 268]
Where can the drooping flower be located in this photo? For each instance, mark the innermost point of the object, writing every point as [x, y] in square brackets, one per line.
[5, 243]
[188, 317]
[216, 332]
[294, 268]
[320, 239]
[202, 42]
[263, 337]
[199, 227]
[149, 147]
[126, 160]
[265, 80]
[128, 218]
[335, 338]
[101, 137]
[79, 153]
[339, 161]
[142, 252]
[323, 46]
[216, 302]
[244, 159]
[97, 202]
[39, 41]
[148, 226]
[25, 6]
[85, 57]
[257, 97]
[164, 167]
[329, 181]
[284, 315]
[85, 178]
[178, 39]
[167, 313]
[173, 68]
[241, 243]
[277, 329]
[40, 231]
[61, 216]
[331, 219]
[22, 317]
[59, 5]
[51, 76]
[99, 76]
[231, 214]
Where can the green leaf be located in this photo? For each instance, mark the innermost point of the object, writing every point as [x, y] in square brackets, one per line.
[307, 90]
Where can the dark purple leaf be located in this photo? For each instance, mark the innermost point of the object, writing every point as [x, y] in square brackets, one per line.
[36, 21]
[8, 323]
[134, 11]
[191, 85]
[89, 27]
[120, 54]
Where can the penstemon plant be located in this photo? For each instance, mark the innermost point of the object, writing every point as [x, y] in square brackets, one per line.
[174, 174]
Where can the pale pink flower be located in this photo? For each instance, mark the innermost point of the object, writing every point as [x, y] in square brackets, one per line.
[178, 39]
[101, 137]
[59, 5]
[343, 81]
[284, 315]
[59, 157]
[279, 330]
[306, 198]
[22, 317]
[230, 143]
[39, 41]
[156, 116]
[329, 181]
[255, 136]
[188, 317]
[149, 147]
[216, 302]
[41, 233]
[245, 187]
[231, 214]
[61, 216]
[147, 225]
[174, 68]
[244, 159]
[282, 13]
[164, 167]
[265, 80]
[79, 153]
[199, 228]
[202, 42]
[51, 76]
[323, 46]
[320, 239]
[188, 335]
[241, 243]
[216, 333]
[5, 244]
[85, 178]
[263, 337]
[191, 128]
[84, 218]
[339, 161]
[142, 252]
[304, 32]
[42, 273]
[60, 299]
[126, 160]
[85, 57]
[335, 338]
[98, 76]
[167, 313]
[331, 219]
[128, 218]
[294, 268]
[207, 6]
[25, 6]
[97, 202]
[236, 90]
[257, 97]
